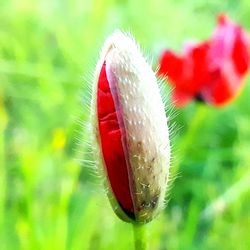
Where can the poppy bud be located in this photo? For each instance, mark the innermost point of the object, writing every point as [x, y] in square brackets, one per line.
[131, 131]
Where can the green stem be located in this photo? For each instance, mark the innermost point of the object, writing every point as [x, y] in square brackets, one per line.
[3, 124]
[140, 237]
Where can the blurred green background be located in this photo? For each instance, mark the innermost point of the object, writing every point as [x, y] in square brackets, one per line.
[51, 200]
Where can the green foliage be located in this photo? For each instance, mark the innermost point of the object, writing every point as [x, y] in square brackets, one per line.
[48, 200]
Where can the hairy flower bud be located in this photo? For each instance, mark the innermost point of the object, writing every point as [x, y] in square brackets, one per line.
[131, 131]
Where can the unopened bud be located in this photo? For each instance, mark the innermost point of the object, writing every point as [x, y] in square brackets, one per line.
[131, 131]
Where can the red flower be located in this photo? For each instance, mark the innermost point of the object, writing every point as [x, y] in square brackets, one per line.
[212, 70]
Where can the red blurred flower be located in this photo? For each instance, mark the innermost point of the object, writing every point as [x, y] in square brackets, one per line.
[212, 70]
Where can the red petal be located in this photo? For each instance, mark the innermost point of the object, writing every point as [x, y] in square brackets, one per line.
[218, 91]
[113, 143]
[200, 72]
[187, 73]
[180, 98]
[240, 54]
[222, 19]
[171, 65]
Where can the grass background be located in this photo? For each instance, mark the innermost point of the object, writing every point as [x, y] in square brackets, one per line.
[48, 200]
